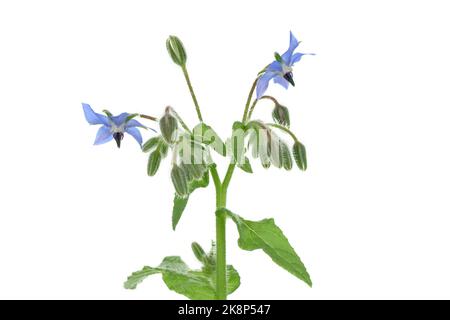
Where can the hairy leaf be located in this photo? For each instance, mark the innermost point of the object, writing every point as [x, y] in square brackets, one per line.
[179, 204]
[194, 284]
[266, 235]
[246, 166]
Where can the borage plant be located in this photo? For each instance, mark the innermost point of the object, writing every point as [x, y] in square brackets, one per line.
[192, 167]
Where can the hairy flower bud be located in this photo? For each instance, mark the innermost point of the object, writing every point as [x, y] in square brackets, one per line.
[168, 125]
[179, 181]
[299, 152]
[280, 115]
[176, 50]
[199, 252]
[154, 160]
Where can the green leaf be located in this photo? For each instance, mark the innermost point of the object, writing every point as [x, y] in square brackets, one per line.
[194, 284]
[205, 134]
[246, 166]
[151, 143]
[179, 204]
[299, 152]
[266, 235]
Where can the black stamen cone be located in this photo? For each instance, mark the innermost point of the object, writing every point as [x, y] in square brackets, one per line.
[288, 76]
[118, 136]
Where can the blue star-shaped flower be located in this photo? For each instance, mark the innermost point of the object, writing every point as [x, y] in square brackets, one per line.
[280, 70]
[113, 126]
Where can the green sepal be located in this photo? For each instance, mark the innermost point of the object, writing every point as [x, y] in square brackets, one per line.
[278, 57]
[109, 114]
[131, 116]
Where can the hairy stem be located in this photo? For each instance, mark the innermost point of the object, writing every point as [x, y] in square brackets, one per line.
[249, 99]
[180, 120]
[191, 90]
[252, 108]
[256, 101]
[274, 125]
[221, 264]
[148, 117]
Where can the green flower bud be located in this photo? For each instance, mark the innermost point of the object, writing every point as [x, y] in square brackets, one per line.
[176, 50]
[199, 252]
[299, 152]
[163, 148]
[286, 156]
[154, 160]
[179, 181]
[168, 125]
[275, 151]
[280, 115]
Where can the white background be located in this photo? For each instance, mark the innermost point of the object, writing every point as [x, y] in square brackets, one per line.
[370, 216]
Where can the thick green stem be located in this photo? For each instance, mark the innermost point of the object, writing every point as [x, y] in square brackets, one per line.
[217, 184]
[221, 219]
[221, 264]
[191, 90]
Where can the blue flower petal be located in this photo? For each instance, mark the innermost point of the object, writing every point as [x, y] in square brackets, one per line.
[297, 56]
[134, 123]
[282, 81]
[275, 67]
[134, 132]
[263, 83]
[103, 135]
[293, 44]
[93, 117]
[120, 119]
